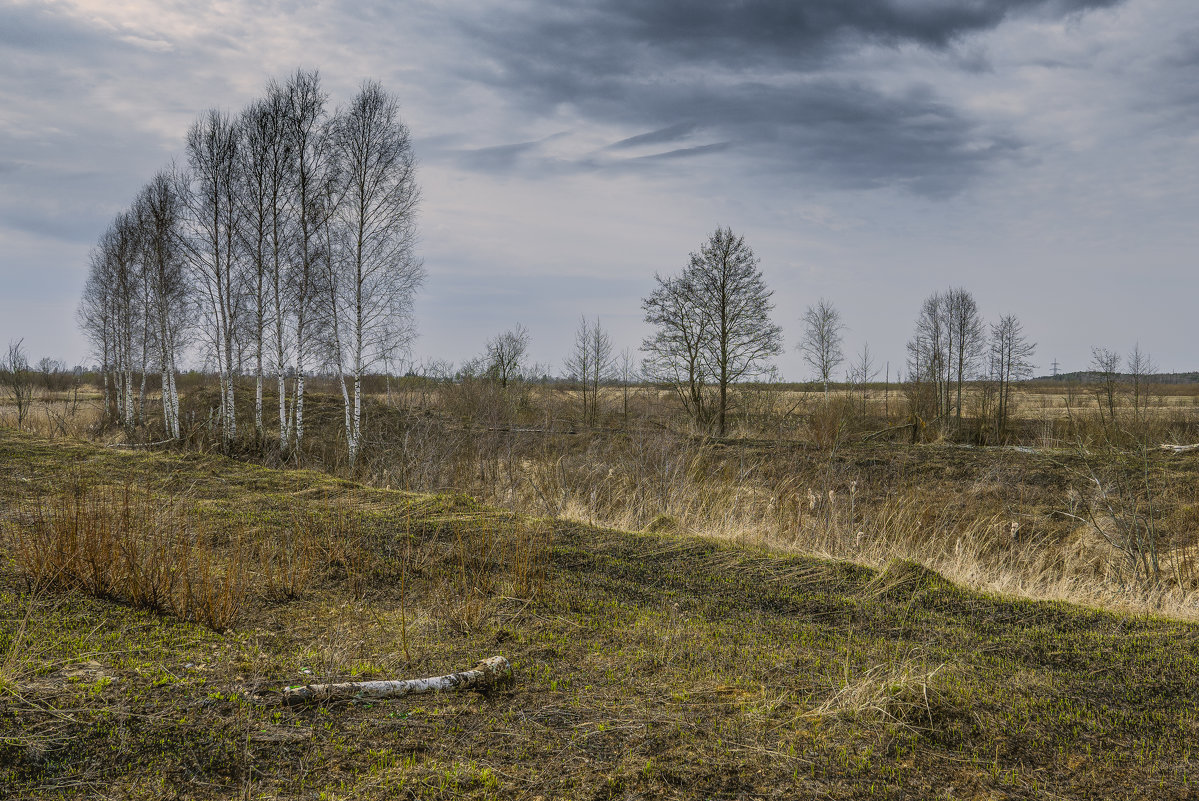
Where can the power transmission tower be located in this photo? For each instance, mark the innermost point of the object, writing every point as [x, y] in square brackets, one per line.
[1055, 368]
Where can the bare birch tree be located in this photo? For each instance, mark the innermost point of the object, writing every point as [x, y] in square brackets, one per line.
[119, 253]
[964, 344]
[214, 218]
[160, 212]
[258, 194]
[96, 319]
[308, 132]
[270, 146]
[377, 273]
[590, 363]
[1011, 353]
[821, 342]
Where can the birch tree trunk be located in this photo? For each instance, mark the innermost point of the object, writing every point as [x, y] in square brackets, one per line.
[489, 672]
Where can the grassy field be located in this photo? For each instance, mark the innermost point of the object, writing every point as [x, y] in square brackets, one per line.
[645, 665]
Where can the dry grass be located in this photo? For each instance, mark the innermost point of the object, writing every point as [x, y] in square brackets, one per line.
[647, 665]
[128, 544]
[63, 413]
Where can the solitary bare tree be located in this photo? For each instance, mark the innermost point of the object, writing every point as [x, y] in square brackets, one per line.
[590, 363]
[1105, 364]
[1140, 369]
[861, 373]
[735, 304]
[821, 342]
[1010, 354]
[17, 380]
[505, 355]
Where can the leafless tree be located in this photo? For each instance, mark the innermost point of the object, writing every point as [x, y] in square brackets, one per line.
[159, 211]
[505, 355]
[297, 229]
[375, 273]
[735, 304]
[1140, 370]
[945, 351]
[112, 306]
[927, 361]
[1010, 357]
[674, 352]
[1105, 364]
[965, 341]
[308, 130]
[17, 380]
[590, 363]
[96, 319]
[821, 342]
[261, 168]
[212, 245]
[269, 158]
[861, 373]
[627, 376]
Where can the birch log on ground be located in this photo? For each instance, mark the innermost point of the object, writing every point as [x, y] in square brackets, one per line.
[488, 672]
[1180, 448]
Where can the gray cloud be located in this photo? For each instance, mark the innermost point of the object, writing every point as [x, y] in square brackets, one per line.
[670, 133]
[687, 152]
[1063, 133]
[494, 159]
[774, 77]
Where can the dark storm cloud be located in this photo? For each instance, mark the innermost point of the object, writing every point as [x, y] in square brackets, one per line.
[758, 76]
[612, 36]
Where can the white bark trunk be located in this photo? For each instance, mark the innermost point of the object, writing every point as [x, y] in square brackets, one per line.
[490, 671]
[284, 435]
[299, 404]
[258, 397]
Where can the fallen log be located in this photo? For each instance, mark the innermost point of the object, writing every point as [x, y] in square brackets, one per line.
[490, 671]
[1180, 448]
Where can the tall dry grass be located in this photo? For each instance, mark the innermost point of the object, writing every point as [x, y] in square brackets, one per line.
[1084, 548]
[641, 466]
[128, 544]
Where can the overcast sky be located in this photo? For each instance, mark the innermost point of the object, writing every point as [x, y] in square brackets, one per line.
[1044, 154]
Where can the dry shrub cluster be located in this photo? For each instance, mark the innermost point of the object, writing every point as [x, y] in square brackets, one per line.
[128, 544]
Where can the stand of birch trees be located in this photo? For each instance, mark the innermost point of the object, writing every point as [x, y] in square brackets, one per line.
[284, 246]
